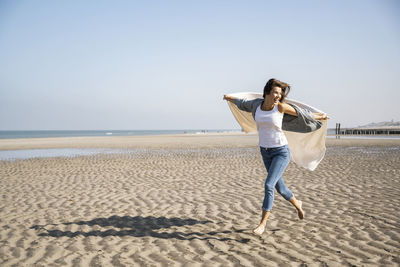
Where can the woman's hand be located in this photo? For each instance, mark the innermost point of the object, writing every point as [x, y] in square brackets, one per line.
[229, 98]
[321, 116]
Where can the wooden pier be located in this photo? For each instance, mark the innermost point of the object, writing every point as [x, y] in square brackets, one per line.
[370, 131]
[388, 130]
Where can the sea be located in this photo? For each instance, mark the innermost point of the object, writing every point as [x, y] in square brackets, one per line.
[11, 155]
[21, 154]
[82, 133]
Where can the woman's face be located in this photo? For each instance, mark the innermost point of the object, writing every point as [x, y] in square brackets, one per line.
[275, 95]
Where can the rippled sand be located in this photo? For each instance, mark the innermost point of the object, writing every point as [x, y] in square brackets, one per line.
[193, 201]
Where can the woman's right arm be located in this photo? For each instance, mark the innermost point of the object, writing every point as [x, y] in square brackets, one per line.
[242, 104]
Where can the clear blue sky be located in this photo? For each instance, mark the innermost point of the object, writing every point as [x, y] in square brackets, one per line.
[166, 64]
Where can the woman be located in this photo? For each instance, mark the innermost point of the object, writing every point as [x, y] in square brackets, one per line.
[268, 114]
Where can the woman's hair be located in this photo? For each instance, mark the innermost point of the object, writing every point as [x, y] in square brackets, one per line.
[276, 83]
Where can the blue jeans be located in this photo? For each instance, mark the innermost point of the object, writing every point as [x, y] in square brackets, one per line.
[275, 160]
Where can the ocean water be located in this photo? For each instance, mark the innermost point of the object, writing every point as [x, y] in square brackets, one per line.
[22, 154]
[43, 134]
[10, 155]
[74, 133]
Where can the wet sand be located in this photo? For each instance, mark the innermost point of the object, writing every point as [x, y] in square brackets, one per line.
[192, 200]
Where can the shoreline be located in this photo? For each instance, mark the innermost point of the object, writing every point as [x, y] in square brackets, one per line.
[126, 142]
[66, 147]
[200, 140]
[28, 134]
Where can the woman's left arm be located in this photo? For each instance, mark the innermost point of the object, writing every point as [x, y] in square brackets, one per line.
[288, 109]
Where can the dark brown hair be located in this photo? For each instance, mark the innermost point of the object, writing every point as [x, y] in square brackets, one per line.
[276, 83]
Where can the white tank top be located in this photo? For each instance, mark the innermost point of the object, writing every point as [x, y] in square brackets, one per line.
[269, 125]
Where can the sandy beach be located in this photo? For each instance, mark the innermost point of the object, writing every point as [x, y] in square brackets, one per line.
[192, 200]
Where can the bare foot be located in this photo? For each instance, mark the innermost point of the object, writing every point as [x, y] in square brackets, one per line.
[300, 211]
[259, 230]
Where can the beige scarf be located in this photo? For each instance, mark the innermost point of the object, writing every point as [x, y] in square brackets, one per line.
[307, 149]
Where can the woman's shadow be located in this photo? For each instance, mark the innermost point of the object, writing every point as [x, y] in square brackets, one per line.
[137, 226]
